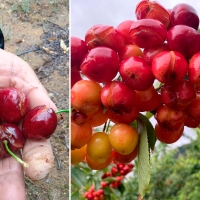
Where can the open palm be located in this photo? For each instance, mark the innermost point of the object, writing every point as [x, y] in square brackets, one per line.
[14, 72]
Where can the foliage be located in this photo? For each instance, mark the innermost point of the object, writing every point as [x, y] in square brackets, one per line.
[175, 174]
[83, 178]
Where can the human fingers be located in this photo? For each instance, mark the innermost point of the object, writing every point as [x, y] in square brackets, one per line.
[12, 185]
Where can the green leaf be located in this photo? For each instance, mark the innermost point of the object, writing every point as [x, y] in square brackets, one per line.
[75, 195]
[122, 188]
[107, 191]
[144, 168]
[78, 177]
[149, 115]
[150, 131]
[134, 124]
[116, 192]
[109, 179]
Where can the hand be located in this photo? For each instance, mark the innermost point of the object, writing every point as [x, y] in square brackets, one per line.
[14, 72]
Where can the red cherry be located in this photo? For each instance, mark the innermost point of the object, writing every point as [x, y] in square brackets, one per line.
[185, 14]
[99, 192]
[118, 96]
[101, 64]
[75, 77]
[184, 39]
[14, 105]
[39, 123]
[148, 9]
[167, 136]
[103, 184]
[78, 50]
[123, 28]
[147, 33]
[114, 170]
[14, 137]
[169, 67]
[104, 35]
[136, 73]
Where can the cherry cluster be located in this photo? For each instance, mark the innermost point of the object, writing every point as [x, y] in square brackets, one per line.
[18, 122]
[148, 65]
[118, 172]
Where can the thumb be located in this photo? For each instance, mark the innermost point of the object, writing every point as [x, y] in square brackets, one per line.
[39, 156]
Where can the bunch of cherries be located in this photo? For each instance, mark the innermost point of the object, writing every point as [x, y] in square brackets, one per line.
[114, 73]
[18, 122]
[118, 171]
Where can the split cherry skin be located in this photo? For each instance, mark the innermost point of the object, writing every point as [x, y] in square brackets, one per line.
[14, 105]
[39, 123]
[14, 137]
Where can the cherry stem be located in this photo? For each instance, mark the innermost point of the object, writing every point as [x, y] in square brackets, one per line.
[62, 111]
[157, 89]
[104, 127]
[108, 126]
[13, 155]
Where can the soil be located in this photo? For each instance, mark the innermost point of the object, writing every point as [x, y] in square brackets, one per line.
[38, 32]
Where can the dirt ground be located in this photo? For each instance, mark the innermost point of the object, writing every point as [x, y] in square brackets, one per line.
[38, 32]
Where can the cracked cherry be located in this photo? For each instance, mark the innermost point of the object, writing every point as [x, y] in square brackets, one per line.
[118, 96]
[39, 123]
[147, 9]
[14, 105]
[147, 33]
[169, 67]
[13, 135]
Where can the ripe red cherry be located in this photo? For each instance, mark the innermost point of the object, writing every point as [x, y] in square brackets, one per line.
[178, 96]
[128, 51]
[184, 39]
[168, 136]
[147, 9]
[169, 67]
[39, 123]
[120, 158]
[192, 122]
[122, 117]
[124, 28]
[169, 118]
[148, 100]
[14, 105]
[78, 50]
[193, 109]
[14, 137]
[101, 64]
[75, 77]
[104, 35]
[150, 53]
[136, 73]
[147, 33]
[185, 14]
[170, 23]
[79, 117]
[193, 70]
[118, 96]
